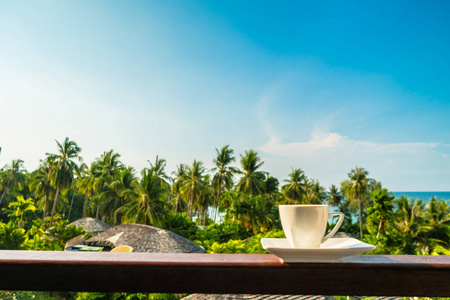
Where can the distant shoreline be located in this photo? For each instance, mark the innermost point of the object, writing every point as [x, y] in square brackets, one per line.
[420, 191]
[423, 195]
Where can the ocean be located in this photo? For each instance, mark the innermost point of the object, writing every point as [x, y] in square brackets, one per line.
[426, 196]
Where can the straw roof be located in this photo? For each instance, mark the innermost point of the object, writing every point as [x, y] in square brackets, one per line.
[78, 240]
[254, 297]
[91, 225]
[271, 297]
[144, 238]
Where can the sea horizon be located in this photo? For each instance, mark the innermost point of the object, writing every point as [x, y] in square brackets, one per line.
[423, 195]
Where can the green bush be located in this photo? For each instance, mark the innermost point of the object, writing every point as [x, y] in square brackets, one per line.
[248, 246]
[61, 232]
[181, 225]
[125, 296]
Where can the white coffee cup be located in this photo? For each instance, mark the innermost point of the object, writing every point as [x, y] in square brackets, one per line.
[305, 225]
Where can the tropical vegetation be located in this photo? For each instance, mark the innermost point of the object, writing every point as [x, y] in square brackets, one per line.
[226, 209]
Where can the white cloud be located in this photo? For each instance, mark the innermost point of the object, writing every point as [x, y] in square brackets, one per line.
[335, 143]
[297, 149]
[330, 156]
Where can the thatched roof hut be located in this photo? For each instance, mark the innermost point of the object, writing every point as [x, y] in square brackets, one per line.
[91, 225]
[254, 297]
[144, 238]
[270, 297]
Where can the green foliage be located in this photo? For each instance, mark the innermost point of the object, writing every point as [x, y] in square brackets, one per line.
[37, 238]
[348, 226]
[148, 206]
[21, 211]
[62, 169]
[25, 295]
[257, 213]
[220, 233]
[335, 196]
[181, 225]
[357, 189]
[252, 180]
[61, 232]
[380, 222]
[125, 296]
[246, 209]
[436, 230]
[12, 237]
[247, 246]
[75, 212]
[12, 180]
[405, 226]
[439, 250]
[295, 187]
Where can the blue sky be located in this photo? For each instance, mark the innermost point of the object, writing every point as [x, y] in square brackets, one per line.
[323, 86]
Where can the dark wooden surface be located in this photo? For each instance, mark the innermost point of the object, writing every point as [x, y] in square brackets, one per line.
[365, 275]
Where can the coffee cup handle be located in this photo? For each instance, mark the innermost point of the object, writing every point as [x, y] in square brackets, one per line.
[336, 227]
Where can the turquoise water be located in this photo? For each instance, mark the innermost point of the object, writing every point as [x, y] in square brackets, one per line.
[426, 196]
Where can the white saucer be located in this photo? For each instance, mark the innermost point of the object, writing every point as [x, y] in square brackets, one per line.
[330, 250]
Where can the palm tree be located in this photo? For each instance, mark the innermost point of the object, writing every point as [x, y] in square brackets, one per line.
[335, 197]
[74, 191]
[12, 179]
[108, 166]
[294, 190]
[223, 178]
[109, 163]
[193, 184]
[271, 191]
[436, 230]
[252, 181]
[148, 207]
[408, 215]
[177, 202]
[254, 212]
[117, 194]
[357, 188]
[315, 193]
[204, 201]
[409, 218]
[107, 169]
[157, 170]
[62, 168]
[40, 185]
[86, 182]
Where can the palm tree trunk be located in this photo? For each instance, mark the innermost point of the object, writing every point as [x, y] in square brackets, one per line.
[84, 206]
[71, 203]
[219, 185]
[360, 217]
[379, 228]
[216, 206]
[44, 214]
[54, 205]
[3, 195]
[190, 206]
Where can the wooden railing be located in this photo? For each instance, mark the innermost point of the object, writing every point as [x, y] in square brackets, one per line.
[369, 275]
